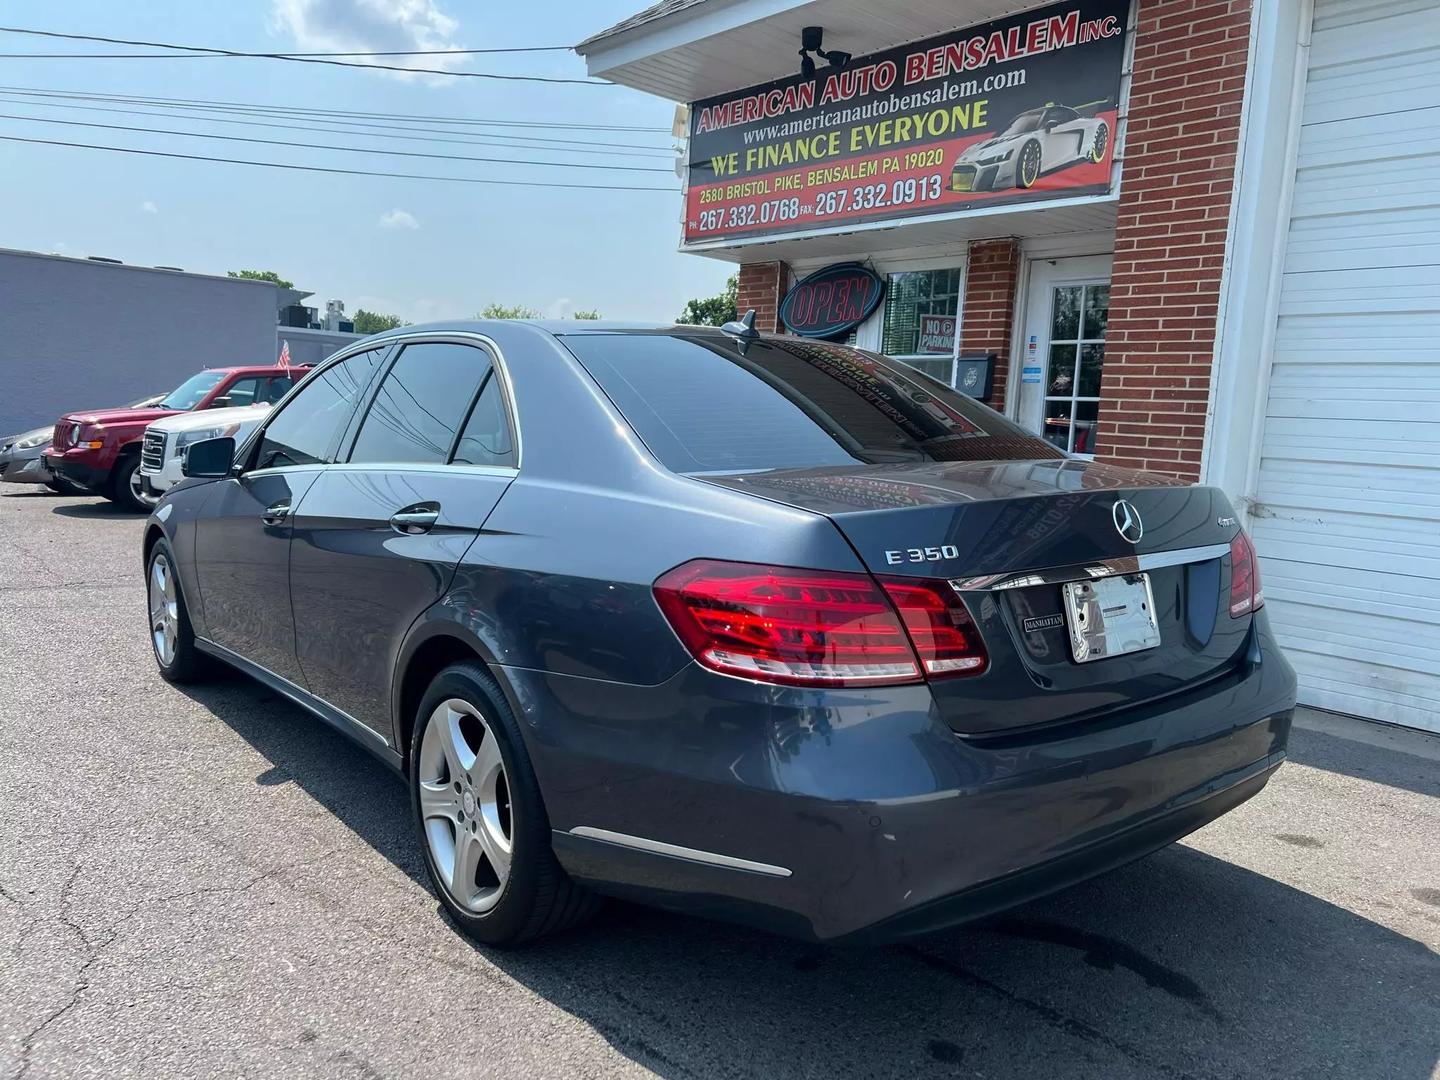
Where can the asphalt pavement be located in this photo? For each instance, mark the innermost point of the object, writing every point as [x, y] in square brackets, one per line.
[209, 882]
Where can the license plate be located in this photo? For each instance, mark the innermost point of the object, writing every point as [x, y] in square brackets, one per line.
[1110, 616]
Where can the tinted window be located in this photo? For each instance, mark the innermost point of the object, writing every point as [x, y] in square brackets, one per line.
[1026, 121]
[486, 439]
[421, 404]
[272, 390]
[303, 431]
[188, 394]
[700, 406]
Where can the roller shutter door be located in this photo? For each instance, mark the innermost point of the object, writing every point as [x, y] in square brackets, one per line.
[1347, 516]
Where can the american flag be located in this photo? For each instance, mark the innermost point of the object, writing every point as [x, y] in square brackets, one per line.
[284, 353]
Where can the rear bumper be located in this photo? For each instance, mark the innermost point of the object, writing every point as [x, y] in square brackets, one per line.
[860, 815]
[78, 469]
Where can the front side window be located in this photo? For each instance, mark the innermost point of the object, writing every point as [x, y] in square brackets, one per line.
[418, 410]
[192, 391]
[304, 431]
[701, 405]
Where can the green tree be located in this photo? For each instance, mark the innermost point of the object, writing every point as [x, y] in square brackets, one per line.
[262, 275]
[713, 310]
[507, 311]
[372, 322]
[591, 314]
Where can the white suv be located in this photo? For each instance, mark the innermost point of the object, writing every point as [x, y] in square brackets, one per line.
[166, 440]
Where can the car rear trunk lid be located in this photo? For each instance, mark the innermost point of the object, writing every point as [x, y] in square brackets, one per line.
[1008, 536]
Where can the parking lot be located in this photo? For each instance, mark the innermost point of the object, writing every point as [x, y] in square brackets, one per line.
[210, 882]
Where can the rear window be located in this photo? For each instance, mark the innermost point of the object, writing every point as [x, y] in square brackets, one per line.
[701, 406]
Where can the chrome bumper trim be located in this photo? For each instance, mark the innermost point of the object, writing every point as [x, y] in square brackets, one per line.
[656, 847]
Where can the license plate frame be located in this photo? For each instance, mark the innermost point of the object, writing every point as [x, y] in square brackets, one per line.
[1110, 616]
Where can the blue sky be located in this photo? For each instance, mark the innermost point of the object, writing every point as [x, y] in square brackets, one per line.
[420, 250]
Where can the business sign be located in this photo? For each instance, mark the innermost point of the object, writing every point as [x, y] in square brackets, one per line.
[937, 334]
[1017, 110]
[831, 302]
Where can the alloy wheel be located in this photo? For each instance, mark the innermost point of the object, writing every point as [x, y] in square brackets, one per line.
[1102, 142]
[1029, 164]
[164, 610]
[465, 805]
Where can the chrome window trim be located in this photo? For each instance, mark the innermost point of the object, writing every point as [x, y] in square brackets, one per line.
[1101, 568]
[658, 847]
[455, 337]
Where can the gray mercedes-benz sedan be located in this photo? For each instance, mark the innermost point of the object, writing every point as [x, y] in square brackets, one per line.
[749, 626]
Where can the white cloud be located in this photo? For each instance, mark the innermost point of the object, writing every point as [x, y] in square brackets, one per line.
[369, 26]
[149, 207]
[398, 219]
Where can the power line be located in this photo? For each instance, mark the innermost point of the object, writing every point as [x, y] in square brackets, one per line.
[296, 59]
[331, 146]
[285, 56]
[340, 172]
[242, 105]
[385, 131]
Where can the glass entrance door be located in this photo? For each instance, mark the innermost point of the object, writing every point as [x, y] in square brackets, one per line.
[1064, 351]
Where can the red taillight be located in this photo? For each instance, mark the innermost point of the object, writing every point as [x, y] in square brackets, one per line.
[1245, 592]
[939, 626]
[815, 627]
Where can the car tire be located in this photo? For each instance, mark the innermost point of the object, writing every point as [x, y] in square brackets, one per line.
[125, 486]
[1100, 144]
[1028, 165]
[172, 640]
[466, 814]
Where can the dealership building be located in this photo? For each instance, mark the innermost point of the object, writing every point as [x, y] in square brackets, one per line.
[1200, 237]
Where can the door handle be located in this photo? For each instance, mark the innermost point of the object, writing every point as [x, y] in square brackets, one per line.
[276, 513]
[415, 520]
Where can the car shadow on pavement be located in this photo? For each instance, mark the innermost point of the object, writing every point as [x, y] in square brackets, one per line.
[1181, 965]
[99, 509]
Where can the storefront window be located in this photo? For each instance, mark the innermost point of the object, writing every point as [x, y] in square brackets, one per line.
[920, 320]
[1078, 314]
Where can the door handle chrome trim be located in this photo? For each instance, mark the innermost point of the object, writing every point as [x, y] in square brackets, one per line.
[414, 521]
[276, 513]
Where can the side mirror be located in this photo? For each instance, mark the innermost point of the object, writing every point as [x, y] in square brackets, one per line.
[219, 403]
[211, 458]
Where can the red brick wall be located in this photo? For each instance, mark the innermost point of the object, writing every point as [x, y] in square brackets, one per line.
[1182, 138]
[762, 286]
[988, 313]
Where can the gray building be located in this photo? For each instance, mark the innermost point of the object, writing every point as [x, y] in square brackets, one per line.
[80, 333]
[91, 333]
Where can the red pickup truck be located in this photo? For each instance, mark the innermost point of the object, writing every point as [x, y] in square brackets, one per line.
[99, 450]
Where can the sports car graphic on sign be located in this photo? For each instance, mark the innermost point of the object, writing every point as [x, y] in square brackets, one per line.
[1036, 142]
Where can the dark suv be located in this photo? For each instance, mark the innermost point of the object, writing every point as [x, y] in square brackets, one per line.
[756, 627]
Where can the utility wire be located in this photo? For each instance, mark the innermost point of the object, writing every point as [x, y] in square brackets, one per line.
[339, 172]
[300, 59]
[242, 106]
[331, 146]
[393, 52]
[386, 131]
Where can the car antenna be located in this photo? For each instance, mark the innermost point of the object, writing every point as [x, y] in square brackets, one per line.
[742, 328]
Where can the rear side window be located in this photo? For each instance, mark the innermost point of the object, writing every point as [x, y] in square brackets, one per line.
[303, 432]
[701, 405]
[418, 410]
[486, 439]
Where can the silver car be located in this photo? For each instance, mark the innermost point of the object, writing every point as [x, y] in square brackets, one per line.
[1036, 142]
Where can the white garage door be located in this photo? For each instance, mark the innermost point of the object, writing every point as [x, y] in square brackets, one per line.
[1348, 518]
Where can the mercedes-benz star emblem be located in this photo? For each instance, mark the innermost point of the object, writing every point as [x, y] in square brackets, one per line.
[1127, 521]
